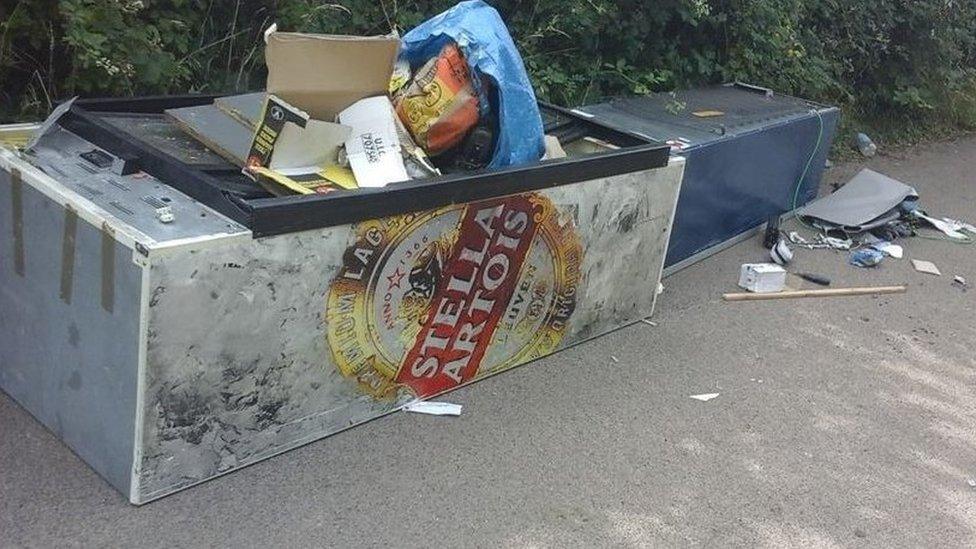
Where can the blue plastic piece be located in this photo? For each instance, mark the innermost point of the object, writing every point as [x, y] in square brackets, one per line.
[866, 257]
[490, 52]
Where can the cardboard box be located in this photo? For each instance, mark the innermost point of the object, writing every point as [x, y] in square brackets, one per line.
[313, 80]
[323, 74]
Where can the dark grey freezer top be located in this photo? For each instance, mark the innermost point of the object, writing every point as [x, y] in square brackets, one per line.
[672, 116]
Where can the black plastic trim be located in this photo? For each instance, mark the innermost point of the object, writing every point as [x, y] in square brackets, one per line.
[272, 216]
[280, 215]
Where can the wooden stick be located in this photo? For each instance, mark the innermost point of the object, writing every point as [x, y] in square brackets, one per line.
[833, 292]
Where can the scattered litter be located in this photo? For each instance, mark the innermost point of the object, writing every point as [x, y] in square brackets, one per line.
[772, 235]
[649, 322]
[865, 145]
[866, 257]
[439, 104]
[838, 292]
[781, 254]
[949, 229]
[660, 288]
[971, 482]
[705, 397]
[889, 249]
[819, 280]
[822, 242]
[708, 114]
[957, 225]
[762, 277]
[926, 267]
[433, 408]
[867, 201]
[838, 243]
[373, 148]
[507, 103]
[614, 359]
[554, 150]
[960, 283]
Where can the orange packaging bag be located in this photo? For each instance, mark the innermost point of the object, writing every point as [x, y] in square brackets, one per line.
[439, 106]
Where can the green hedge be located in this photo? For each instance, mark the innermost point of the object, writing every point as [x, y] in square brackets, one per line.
[901, 65]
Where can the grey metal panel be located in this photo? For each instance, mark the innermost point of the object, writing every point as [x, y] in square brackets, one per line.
[133, 199]
[224, 134]
[73, 366]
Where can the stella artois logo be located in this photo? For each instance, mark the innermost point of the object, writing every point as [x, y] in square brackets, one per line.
[426, 302]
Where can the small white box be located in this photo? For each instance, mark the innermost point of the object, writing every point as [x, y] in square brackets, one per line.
[762, 278]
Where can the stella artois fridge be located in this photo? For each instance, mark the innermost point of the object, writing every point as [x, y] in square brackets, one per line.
[172, 322]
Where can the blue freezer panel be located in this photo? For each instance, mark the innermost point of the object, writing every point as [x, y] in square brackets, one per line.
[735, 184]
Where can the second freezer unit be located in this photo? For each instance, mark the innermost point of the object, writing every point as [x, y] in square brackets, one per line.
[748, 150]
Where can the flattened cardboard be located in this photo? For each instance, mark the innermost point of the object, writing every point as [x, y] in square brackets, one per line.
[276, 114]
[291, 151]
[308, 149]
[324, 74]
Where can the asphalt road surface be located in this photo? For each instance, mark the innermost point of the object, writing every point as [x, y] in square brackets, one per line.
[846, 422]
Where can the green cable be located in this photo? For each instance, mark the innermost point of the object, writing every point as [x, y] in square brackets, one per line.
[806, 170]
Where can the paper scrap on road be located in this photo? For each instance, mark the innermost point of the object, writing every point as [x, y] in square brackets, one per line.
[926, 267]
[705, 397]
[960, 283]
[433, 408]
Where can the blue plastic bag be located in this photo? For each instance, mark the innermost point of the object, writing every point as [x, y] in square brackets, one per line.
[490, 53]
[865, 257]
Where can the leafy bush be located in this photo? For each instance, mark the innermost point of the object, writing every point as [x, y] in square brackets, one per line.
[905, 64]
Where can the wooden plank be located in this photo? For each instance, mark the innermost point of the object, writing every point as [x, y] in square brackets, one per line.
[836, 292]
[216, 129]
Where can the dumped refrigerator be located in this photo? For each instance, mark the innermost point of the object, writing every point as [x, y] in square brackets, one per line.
[171, 320]
[752, 154]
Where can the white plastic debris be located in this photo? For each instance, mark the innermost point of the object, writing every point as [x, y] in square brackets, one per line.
[649, 322]
[926, 267]
[947, 228]
[887, 248]
[614, 359]
[957, 225]
[865, 145]
[165, 214]
[762, 277]
[837, 243]
[823, 242]
[971, 482]
[433, 408]
[705, 397]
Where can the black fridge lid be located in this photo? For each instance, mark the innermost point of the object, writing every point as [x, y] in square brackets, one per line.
[136, 128]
